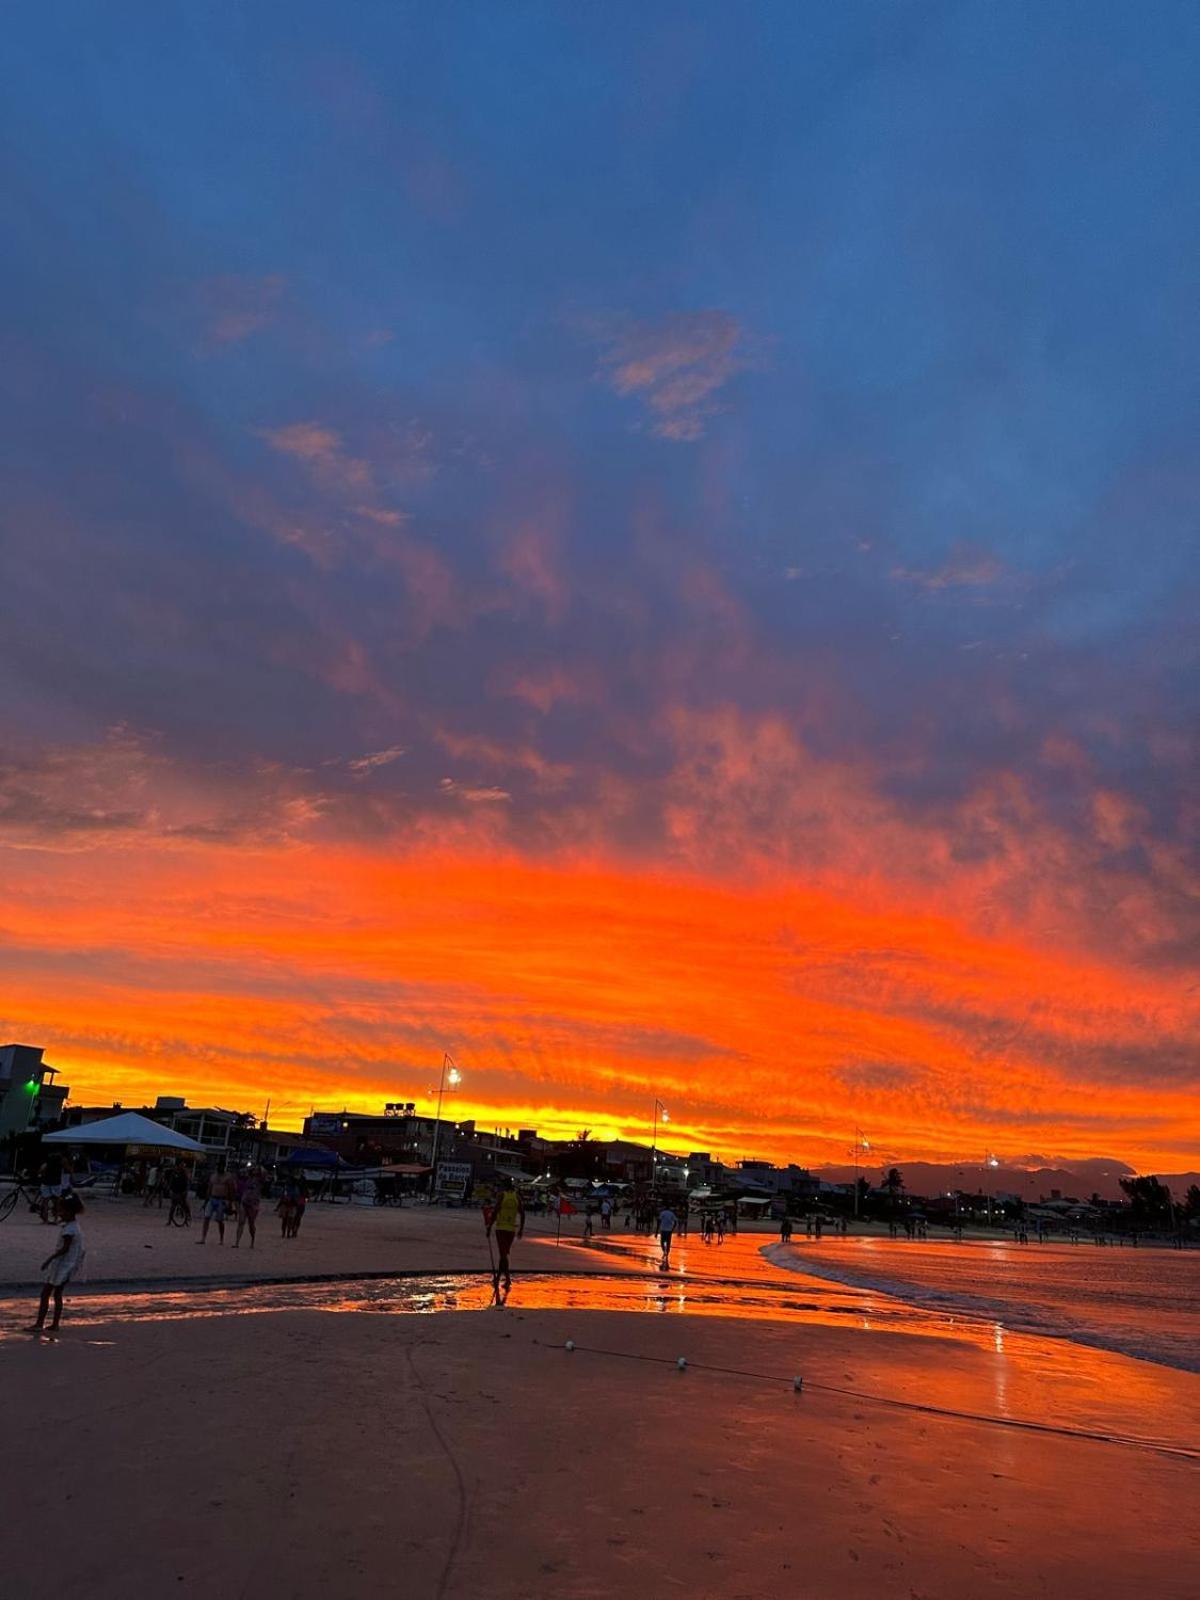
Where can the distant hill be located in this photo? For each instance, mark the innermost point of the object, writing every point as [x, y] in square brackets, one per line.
[1080, 1178]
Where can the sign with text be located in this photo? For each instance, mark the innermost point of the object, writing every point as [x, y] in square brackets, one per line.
[454, 1178]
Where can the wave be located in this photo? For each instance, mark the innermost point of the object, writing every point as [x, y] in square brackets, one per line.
[1038, 1321]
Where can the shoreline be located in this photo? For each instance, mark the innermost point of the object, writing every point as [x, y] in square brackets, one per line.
[1025, 1310]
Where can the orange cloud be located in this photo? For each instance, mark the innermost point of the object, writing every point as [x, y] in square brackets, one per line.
[771, 1016]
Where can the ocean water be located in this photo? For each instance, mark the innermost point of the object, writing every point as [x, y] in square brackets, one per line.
[1143, 1303]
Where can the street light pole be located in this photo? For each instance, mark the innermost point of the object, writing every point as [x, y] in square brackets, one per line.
[452, 1076]
[658, 1108]
[859, 1148]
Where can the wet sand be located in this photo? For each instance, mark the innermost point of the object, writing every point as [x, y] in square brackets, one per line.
[307, 1439]
[302, 1454]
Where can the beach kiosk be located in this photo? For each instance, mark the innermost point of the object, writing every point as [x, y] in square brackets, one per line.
[128, 1131]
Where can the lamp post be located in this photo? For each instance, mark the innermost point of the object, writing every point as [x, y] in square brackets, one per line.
[660, 1111]
[858, 1149]
[451, 1077]
[993, 1162]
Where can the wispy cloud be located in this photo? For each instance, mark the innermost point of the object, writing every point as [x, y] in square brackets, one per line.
[376, 758]
[676, 367]
[966, 567]
[359, 480]
[234, 307]
[474, 794]
[123, 791]
[320, 449]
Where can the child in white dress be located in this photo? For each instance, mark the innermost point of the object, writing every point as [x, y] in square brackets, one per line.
[66, 1263]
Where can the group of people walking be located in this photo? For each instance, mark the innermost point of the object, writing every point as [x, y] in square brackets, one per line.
[231, 1196]
[237, 1197]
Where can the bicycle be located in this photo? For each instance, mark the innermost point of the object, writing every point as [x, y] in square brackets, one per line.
[180, 1213]
[39, 1204]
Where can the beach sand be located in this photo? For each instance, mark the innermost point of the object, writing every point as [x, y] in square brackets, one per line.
[306, 1454]
[128, 1242]
[198, 1437]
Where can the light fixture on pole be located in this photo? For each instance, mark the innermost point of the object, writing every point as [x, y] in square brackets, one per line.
[451, 1077]
[858, 1149]
[993, 1161]
[660, 1113]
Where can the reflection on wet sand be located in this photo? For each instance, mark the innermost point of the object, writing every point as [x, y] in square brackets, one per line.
[1029, 1380]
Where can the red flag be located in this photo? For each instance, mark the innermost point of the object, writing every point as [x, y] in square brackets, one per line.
[565, 1208]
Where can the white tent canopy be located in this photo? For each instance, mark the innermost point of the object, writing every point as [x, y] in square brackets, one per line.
[127, 1128]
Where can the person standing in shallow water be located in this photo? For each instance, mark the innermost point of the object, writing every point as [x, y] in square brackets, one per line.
[667, 1223]
[60, 1268]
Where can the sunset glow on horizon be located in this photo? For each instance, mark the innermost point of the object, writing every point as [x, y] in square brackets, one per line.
[602, 552]
[771, 1017]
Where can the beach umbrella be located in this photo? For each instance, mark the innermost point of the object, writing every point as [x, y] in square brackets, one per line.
[127, 1128]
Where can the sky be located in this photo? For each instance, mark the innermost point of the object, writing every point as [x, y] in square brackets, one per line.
[652, 548]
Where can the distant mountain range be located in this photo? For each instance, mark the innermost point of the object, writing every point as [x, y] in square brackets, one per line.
[1079, 1178]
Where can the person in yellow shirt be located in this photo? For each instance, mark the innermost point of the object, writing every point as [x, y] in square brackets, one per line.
[508, 1222]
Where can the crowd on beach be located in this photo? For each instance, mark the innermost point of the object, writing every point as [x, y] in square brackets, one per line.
[230, 1196]
[234, 1197]
[225, 1197]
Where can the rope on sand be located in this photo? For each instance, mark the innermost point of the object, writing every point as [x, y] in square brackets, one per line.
[1059, 1430]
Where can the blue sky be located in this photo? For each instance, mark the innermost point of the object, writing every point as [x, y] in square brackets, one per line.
[952, 247]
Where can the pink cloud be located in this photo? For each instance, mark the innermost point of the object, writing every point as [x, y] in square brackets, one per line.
[551, 686]
[376, 758]
[966, 567]
[124, 792]
[474, 794]
[320, 449]
[531, 558]
[677, 367]
[235, 307]
[511, 758]
[383, 516]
